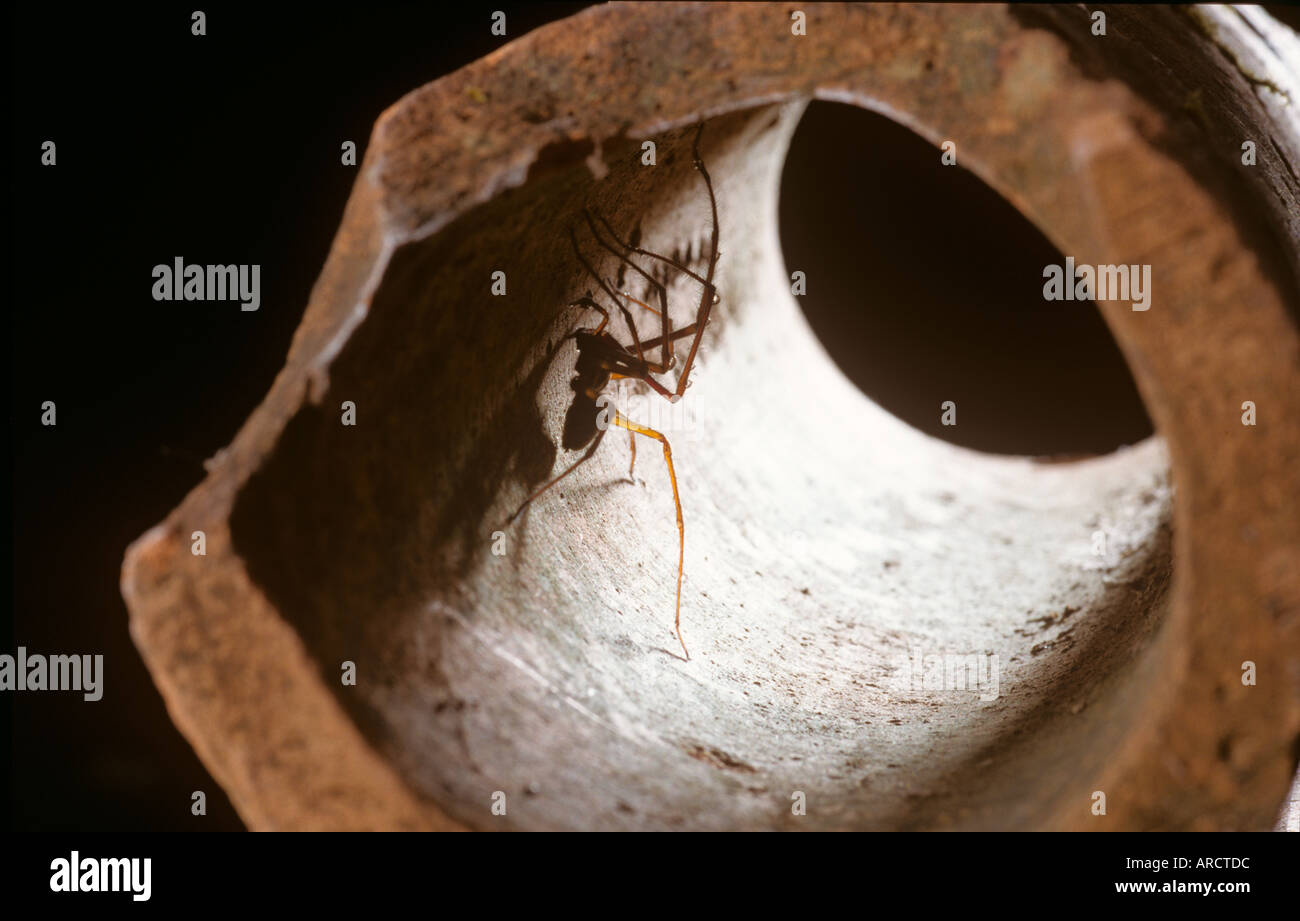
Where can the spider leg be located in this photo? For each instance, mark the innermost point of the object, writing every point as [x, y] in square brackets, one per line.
[709, 294]
[627, 315]
[666, 356]
[638, 429]
[591, 449]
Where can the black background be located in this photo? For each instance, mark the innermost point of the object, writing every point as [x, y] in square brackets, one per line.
[222, 149]
[225, 149]
[335, 873]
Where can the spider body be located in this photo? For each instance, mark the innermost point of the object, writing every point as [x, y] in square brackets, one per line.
[602, 358]
[591, 376]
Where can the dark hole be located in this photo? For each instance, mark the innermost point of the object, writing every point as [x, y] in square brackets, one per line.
[925, 286]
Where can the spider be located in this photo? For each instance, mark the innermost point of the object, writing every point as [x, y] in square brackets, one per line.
[602, 358]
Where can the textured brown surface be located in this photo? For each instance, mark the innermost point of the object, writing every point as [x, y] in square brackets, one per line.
[372, 543]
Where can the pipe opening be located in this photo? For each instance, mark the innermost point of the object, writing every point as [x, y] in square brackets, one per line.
[925, 285]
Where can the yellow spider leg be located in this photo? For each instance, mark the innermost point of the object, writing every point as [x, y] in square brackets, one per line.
[642, 303]
[635, 427]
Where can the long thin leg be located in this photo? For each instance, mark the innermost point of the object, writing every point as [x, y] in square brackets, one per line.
[666, 355]
[631, 440]
[709, 296]
[572, 467]
[627, 316]
[643, 304]
[623, 422]
[668, 260]
[588, 302]
[621, 363]
[677, 334]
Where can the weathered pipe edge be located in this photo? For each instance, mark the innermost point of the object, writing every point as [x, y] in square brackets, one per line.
[1071, 154]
